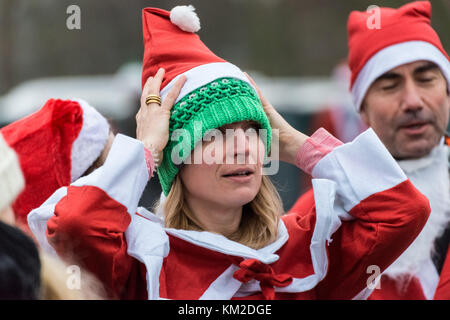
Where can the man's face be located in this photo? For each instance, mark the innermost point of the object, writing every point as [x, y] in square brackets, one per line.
[408, 107]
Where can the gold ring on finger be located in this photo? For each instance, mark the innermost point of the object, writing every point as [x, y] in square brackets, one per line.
[152, 98]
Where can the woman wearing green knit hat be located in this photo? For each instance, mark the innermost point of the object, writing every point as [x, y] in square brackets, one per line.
[223, 234]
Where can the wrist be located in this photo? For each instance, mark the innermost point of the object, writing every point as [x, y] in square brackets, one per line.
[292, 143]
[150, 162]
[155, 152]
[314, 149]
[156, 155]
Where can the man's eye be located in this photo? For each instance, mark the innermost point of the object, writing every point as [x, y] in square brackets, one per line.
[389, 86]
[425, 80]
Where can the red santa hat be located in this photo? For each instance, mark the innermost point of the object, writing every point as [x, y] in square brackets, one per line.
[171, 43]
[403, 36]
[55, 146]
[215, 93]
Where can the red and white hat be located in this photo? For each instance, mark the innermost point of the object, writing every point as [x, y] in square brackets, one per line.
[55, 146]
[403, 36]
[171, 43]
[216, 92]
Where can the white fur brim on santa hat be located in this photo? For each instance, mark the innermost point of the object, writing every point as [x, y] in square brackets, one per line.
[392, 57]
[11, 177]
[90, 142]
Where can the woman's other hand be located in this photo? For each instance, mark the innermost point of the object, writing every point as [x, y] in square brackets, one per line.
[290, 140]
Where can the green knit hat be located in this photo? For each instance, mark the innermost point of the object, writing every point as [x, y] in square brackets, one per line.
[220, 102]
[215, 93]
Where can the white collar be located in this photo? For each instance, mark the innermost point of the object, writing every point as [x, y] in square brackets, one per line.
[430, 176]
[220, 243]
[411, 165]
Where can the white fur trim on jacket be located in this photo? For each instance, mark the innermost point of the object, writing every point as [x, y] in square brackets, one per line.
[430, 175]
[124, 174]
[38, 218]
[352, 176]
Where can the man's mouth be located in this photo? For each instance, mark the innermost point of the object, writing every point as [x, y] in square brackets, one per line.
[414, 127]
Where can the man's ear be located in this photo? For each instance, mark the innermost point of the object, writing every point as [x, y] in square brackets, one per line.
[363, 113]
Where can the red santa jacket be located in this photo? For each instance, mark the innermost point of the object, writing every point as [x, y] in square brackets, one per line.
[443, 289]
[423, 284]
[324, 251]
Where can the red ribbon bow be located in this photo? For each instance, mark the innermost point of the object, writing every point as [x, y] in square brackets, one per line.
[255, 269]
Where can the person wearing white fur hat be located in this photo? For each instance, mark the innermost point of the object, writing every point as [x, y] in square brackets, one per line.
[56, 145]
[11, 181]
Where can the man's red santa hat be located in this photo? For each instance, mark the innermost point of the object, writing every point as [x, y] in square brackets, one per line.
[55, 146]
[403, 36]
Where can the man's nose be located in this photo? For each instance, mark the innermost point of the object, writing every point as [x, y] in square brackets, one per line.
[411, 98]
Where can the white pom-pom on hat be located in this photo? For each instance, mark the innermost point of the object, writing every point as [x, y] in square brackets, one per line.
[185, 18]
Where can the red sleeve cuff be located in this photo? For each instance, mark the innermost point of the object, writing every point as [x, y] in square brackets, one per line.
[315, 148]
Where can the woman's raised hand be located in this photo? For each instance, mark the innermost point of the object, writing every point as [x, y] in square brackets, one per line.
[290, 139]
[152, 120]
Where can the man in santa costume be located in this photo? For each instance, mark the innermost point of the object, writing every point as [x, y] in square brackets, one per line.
[56, 145]
[400, 86]
[324, 252]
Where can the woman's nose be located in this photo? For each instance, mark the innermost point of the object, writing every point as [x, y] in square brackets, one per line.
[241, 149]
[237, 146]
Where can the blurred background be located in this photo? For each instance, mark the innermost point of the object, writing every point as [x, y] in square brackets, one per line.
[295, 51]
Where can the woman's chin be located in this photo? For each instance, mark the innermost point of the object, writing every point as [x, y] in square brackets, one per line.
[240, 197]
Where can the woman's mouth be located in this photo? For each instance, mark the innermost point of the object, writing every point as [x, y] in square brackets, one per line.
[240, 176]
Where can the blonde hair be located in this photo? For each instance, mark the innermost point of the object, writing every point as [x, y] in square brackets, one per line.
[54, 282]
[259, 222]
